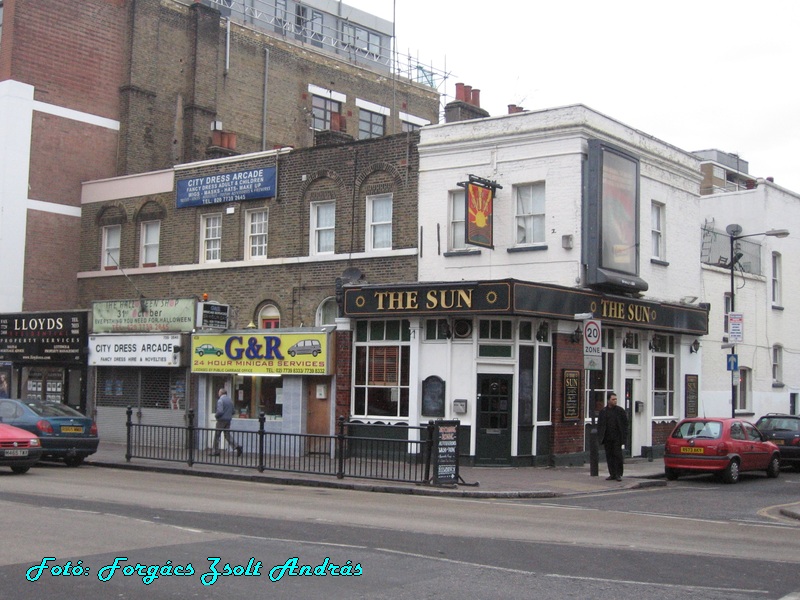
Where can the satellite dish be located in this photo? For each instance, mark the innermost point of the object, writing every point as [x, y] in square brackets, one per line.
[351, 274]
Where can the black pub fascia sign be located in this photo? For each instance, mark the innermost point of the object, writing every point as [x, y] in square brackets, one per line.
[460, 298]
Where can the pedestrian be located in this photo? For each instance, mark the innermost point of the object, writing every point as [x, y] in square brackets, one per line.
[612, 430]
[224, 414]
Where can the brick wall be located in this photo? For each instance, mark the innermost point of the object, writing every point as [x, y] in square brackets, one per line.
[345, 173]
[568, 436]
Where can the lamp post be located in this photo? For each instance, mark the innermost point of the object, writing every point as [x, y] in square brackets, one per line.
[735, 233]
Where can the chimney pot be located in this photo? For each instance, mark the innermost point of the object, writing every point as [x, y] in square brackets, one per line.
[512, 108]
[476, 98]
[771, 179]
[467, 94]
[460, 91]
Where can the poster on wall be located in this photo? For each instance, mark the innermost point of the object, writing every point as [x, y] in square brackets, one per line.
[5, 380]
[692, 396]
[572, 395]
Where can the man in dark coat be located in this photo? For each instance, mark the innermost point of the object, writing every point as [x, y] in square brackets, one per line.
[612, 431]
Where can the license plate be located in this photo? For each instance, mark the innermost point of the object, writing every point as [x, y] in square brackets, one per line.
[70, 429]
[778, 442]
[692, 450]
[17, 452]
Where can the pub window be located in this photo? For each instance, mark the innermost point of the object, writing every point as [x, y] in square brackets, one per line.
[457, 239]
[437, 329]
[663, 382]
[381, 369]
[492, 333]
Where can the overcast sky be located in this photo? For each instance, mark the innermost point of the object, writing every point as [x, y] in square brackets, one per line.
[696, 74]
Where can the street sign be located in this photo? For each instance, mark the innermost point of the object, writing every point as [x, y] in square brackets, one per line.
[592, 363]
[592, 336]
[733, 362]
[735, 327]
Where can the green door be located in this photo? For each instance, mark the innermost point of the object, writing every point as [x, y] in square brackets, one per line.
[493, 444]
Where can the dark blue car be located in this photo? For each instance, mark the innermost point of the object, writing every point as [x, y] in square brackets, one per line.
[64, 432]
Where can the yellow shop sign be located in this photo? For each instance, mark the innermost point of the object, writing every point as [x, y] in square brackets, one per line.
[263, 353]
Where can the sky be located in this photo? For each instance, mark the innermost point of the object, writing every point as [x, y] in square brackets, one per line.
[697, 74]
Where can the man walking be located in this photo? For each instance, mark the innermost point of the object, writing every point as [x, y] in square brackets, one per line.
[612, 430]
[224, 415]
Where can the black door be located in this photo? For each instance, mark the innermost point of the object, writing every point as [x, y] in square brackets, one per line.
[493, 444]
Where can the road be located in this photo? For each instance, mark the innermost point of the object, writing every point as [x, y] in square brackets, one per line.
[405, 546]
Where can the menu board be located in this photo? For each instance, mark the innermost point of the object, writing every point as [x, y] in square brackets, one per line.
[446, 452]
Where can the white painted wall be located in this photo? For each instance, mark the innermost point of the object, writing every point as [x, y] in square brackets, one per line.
[550, 146]
[16, 121]
[767, 207]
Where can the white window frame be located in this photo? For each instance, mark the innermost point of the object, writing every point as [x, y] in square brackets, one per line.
[777, 363]
[529, 220]
[776, 279]
[657, 230]
[256, 240]
[327, 308]
[211, 238]
[319, 230]
[112, 241]
[457, 234]
[666, 356]
[149, 249]
[375, 226]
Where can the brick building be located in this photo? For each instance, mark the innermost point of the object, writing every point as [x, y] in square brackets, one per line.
[104, 88]
[141, 86]
[323, 217]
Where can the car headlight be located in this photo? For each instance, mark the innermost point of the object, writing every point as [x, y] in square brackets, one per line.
[34, 443]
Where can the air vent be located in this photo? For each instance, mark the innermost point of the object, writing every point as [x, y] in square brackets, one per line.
[462, 328]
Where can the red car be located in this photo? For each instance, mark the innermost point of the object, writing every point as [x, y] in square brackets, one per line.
[723, 446]
[19, 449]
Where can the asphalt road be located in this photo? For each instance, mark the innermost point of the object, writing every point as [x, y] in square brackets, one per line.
[406, 546]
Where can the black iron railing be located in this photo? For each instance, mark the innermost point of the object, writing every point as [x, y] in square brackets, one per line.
[346, 454]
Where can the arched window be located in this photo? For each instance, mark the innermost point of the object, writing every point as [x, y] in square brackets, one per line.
[327, 312]
[269, 317]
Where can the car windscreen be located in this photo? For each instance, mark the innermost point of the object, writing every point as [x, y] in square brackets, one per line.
[51, 409]
[779, 424]
[698, 429]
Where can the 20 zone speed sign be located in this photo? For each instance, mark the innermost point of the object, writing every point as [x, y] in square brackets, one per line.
[592, 337]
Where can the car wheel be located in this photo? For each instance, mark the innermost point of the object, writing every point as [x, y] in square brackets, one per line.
[200, 353]
[774, 468]
[731, 472]
[20, 470]
[73, 461]
[314, 353]
[671, 474]
[292, 353]
[219, 352]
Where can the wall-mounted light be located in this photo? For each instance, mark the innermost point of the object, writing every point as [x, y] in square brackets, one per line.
[630, 340]
[251, 325]
[657, 343]
[445, 329]
[577, 335]
[694, 347]
[543, 332]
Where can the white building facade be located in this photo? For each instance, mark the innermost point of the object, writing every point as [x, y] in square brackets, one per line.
[494, 326]
[765, 292]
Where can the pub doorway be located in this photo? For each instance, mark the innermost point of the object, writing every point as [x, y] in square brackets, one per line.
[493, 442]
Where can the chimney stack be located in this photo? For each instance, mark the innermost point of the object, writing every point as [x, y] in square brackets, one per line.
[476, 98]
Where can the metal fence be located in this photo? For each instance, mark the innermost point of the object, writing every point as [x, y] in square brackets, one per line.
[345, 454]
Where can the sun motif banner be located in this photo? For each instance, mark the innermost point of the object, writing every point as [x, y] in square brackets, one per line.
[480, 204]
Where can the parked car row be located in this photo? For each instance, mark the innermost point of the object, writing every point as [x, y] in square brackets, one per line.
[34, 430]
[728, 446]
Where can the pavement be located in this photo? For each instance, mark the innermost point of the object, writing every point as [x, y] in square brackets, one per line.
[475, 482]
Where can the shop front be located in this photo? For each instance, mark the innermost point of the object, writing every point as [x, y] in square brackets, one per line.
[42, 357]
[137, 358]
[286, 375]
[505, 358]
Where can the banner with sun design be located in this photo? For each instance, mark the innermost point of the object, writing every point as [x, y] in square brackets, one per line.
[480, 205]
